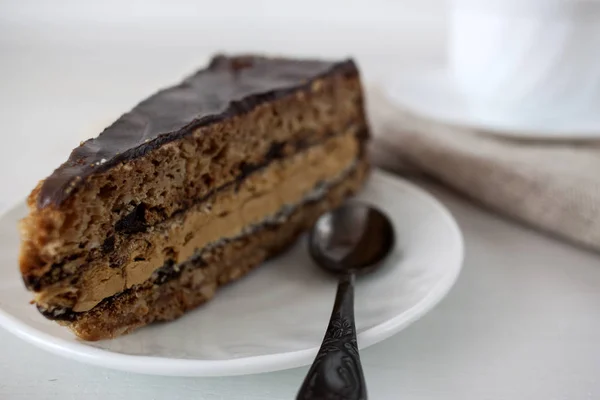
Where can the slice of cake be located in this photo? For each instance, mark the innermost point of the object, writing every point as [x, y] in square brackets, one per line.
[193, 188]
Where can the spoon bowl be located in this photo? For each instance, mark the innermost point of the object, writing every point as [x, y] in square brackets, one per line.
[353, 238]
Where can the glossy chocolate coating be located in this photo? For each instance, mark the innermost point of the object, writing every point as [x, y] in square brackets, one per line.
[229, 86]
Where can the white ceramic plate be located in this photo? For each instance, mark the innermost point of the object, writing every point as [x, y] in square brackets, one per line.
[433, 93]
[274, 318]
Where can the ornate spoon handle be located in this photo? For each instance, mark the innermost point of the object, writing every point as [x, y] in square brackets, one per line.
[336, 373]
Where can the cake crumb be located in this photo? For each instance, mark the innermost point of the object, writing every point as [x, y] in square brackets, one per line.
[316, 86]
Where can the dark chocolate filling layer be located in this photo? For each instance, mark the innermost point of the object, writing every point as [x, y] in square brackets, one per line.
[134, 222]
[170, 270]
[226, 88]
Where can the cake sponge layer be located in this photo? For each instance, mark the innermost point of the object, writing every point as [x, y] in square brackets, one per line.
[225, 214]
[196, 281]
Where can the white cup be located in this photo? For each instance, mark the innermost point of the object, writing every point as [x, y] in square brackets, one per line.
[524, 56]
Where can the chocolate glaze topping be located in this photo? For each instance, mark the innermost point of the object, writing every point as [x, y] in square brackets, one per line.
[227, 87]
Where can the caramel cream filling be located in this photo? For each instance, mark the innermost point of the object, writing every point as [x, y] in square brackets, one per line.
[224, 215]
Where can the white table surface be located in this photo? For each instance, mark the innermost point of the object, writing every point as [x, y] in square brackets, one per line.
[522, 322]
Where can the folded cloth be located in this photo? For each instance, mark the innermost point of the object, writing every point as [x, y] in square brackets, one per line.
[550, 185]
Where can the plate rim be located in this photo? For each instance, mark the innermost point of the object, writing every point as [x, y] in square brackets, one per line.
[164, 366]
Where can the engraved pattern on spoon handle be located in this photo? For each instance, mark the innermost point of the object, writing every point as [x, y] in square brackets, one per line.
[336, 373]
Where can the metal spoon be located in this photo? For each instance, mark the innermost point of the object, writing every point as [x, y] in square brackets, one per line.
[350, 240]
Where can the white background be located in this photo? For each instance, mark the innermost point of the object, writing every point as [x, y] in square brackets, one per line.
[523, 321]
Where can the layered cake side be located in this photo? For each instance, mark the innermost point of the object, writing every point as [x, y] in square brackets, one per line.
[191, 189]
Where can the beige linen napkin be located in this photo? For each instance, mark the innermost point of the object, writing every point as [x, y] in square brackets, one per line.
[554, 186]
